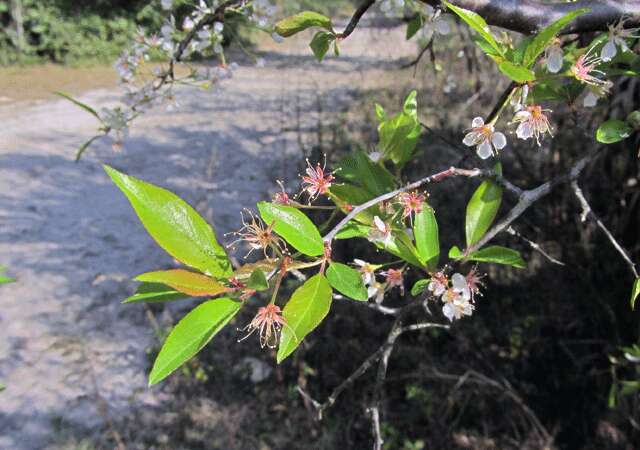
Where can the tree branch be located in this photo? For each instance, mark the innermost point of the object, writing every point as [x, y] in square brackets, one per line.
[357, 15]
[588, 212]
[530, 16]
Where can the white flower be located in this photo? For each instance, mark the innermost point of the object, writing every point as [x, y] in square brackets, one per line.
[374, 156]
[617, 38]
[188, 24]
[438, 284]
[484, 138]
[459, 284]
[533, 123]
[166, 4]
[367, 270]
[381, 231]
[218, 27]
[456, 305]
[595, 93]
[554, 58]
[376, 292]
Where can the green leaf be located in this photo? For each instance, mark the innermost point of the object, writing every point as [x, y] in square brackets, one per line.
[546, 35]
[320, 44]
[258, 280]
[612, 131]
[307, 307]
[476, 22]
[516, 55]
[401, 245]
[353, 230]
[4, 279]
[191, 334]
[174, 225]
[414, 26]
[347, 281]
[635, 291]
[84, 106]
[398, 135]
[359, 169]
[419, 287]
[482, 210]
[294, 227]
[517, 73]
[155, 293]
[493, 254]
[190, 283]
[425, 232]
[300, 22]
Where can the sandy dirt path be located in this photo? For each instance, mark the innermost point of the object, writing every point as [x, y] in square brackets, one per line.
[70, 353]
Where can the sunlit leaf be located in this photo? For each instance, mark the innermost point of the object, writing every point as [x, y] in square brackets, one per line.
[419, 287]
[300, 22]
[613, 131]
[174, 225]
[320, 44]
[155, 293]
[191, 334]
[359, 169]
[476, 22]
[346, 195]
[190, 283]
[399, 134]
[635, 291]
[347, 281]
[482, 210]
[294, 227]
[493, 254]
[307, 307]
[425, 232]
[517, 73]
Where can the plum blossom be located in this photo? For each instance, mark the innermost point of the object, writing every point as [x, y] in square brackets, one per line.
[617, 38]
[474, 281]
[554, 57]
[281, 198]
[585, 70]
[394, 279]
[595, 93]
[484, 138]
[376, 291]
[381, 231]
[367, 270]
[166, 4]
[257, 235]
[438, 283]
[316, 182]
[435, 23]
[268, 322]
[532, 123]
[411, 202]
[456, 305]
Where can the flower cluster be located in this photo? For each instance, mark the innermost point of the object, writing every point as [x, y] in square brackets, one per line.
[375, 289]
[456, 293]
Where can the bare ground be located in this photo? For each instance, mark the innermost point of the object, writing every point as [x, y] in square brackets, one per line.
[71, 356]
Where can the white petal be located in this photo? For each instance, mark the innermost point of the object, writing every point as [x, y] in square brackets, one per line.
[554, 60]
[499, 140]
[477, 122]
[521, 115]
[377, 221]
[471, 139]
[375, 156]
[449, 311]
[359, 262]
[458, 281]
[372, 291]
[609, 50]
[484, 150]
[590, 100]
[524, 131]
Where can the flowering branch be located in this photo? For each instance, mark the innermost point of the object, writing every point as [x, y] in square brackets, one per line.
[587, 212]
[530, 16]
[434, 178]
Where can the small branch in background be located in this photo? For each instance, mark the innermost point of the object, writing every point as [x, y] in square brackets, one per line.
[534, 246]
[587, 212]
[417, 59]
[357, 15]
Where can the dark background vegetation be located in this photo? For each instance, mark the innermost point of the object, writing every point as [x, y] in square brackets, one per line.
[538, 348]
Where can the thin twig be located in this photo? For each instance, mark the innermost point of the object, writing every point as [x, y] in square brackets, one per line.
[417, 59]
[357, 15]
[587, 212]
[534, 246]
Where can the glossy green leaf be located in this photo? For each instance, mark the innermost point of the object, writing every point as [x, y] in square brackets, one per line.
[190, 283]
[546, 35]
[414, 26]
[258, 280]
[174, 225]
[402, 246]
[635, 291]
[482, 210]
[613, 131]
[353, 230]
[476, 22]
[419, 287]
[493, 254]
[294, 227]
[399, 134]
[516, 55]
[344, 194]
[307, 307]
[78, 103]
[359, 169]
[300, 22]
[155, 293]
[347, 281]
[517, 73]
[320, 44]
[191, 334]
[425, 232]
